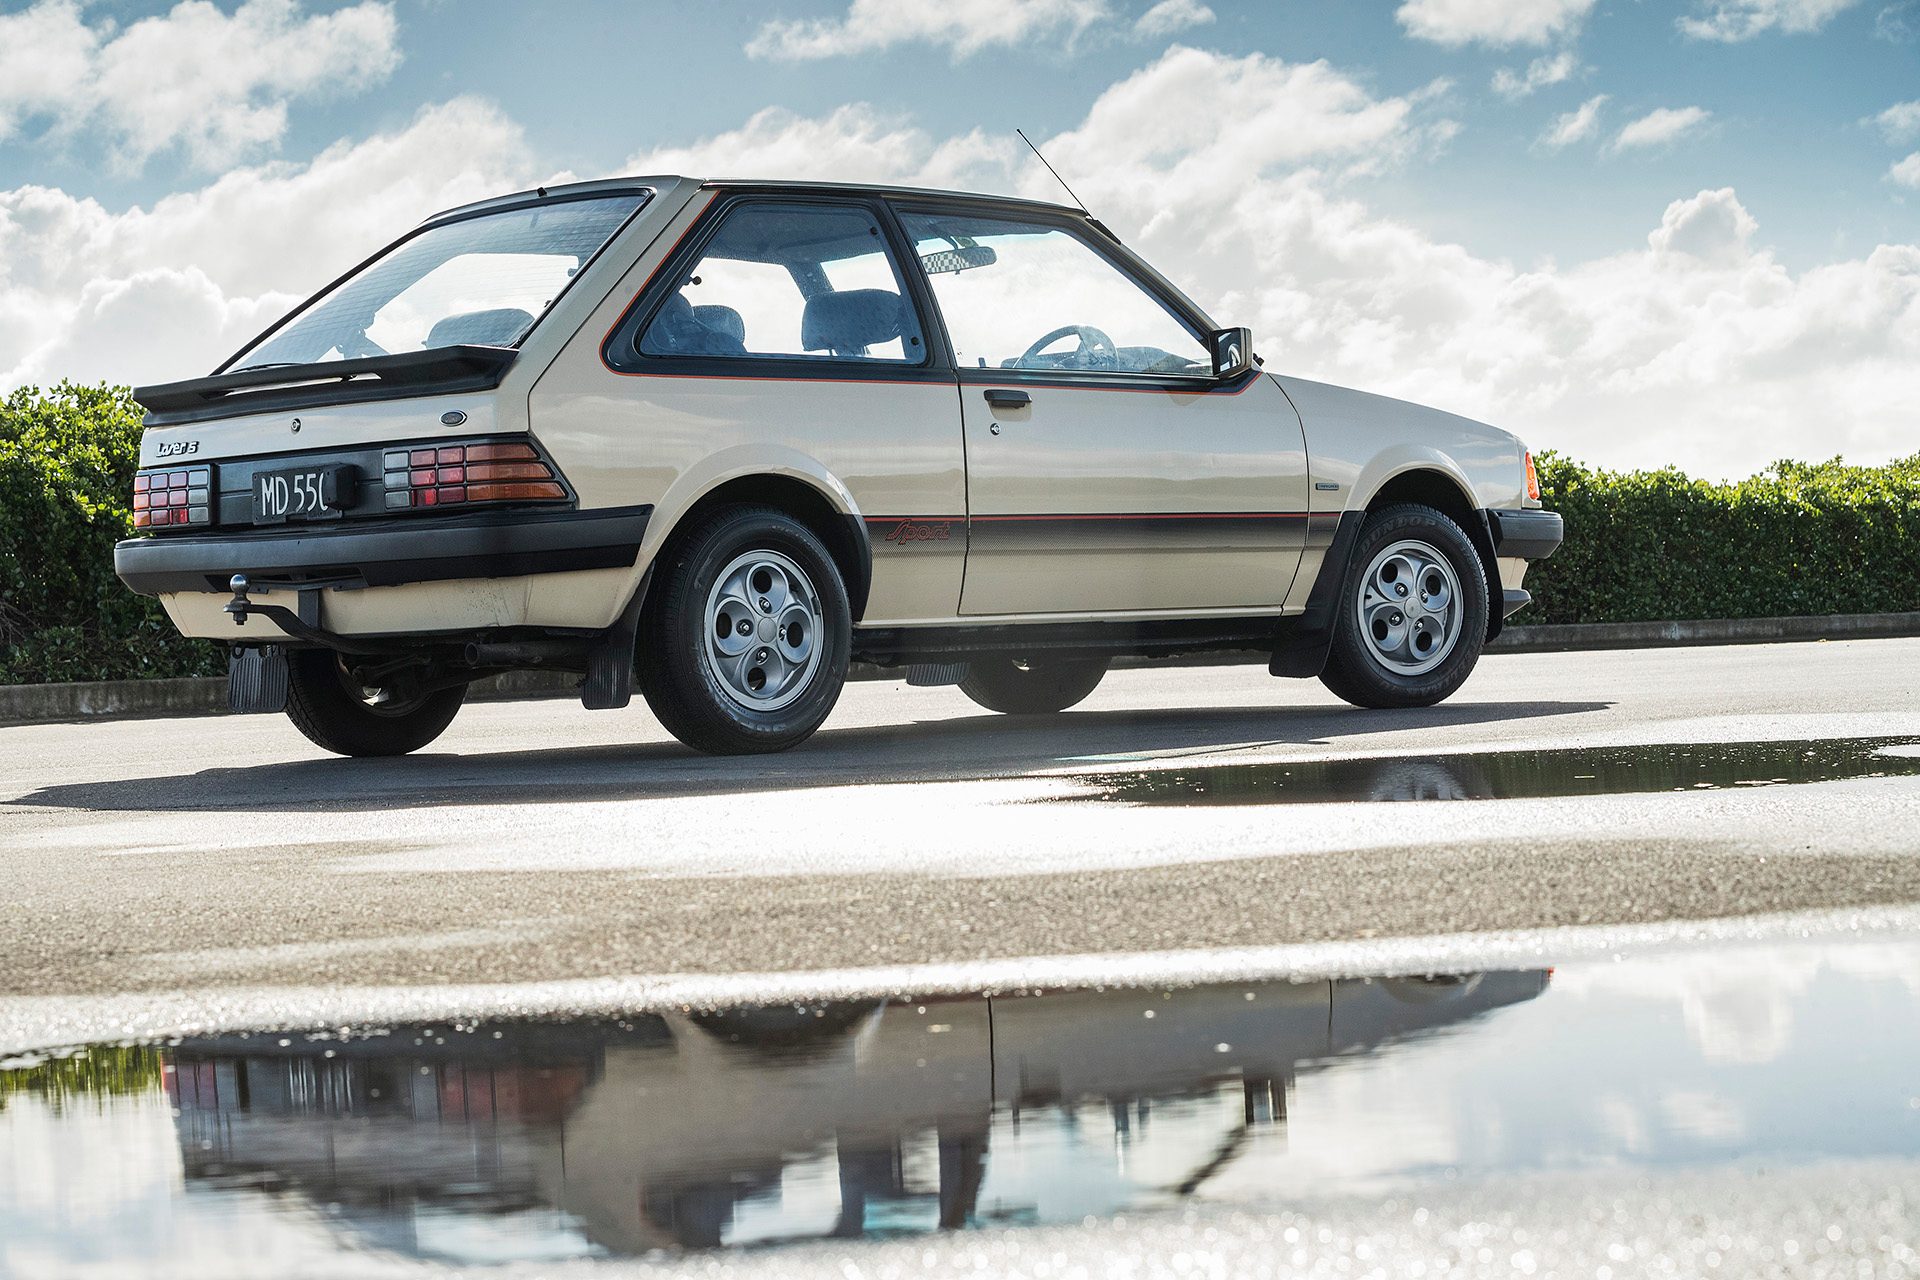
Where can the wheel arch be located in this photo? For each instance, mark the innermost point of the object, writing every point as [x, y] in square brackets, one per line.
[829, 514]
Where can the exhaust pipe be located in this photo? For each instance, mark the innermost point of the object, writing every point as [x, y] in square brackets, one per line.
[528, 653]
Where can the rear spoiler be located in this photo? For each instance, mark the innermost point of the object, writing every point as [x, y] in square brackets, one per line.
[414, 373]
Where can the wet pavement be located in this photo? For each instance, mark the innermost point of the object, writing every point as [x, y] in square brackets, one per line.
[521, 943]
[1516, 775]
[863, 1122]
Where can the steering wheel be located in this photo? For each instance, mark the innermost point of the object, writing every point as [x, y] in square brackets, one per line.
[1096, 349]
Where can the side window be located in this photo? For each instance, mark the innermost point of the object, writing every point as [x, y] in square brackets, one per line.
[1021, 295]
[793, 282]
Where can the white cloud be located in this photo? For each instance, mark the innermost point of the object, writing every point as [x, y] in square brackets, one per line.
[1286, 114]
[1576, 125]
[965, 27]
[1732, 20]
[214, 84]
[46, 60]
[1170, 16]
[1493, 22]
[852, 143]
[1659, 128]
[1900, 121]
[1540, 73]
[1697, 347]
[153, 294]
[1712, 227]
[1907, 172]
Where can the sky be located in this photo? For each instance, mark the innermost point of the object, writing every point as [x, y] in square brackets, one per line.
[1639, 233]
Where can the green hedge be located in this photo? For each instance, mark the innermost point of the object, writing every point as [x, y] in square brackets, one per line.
[66, 475]
[1646, 545]
[1798, 539]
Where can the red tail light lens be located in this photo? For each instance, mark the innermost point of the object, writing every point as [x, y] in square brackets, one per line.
[173, 499]
[1533, 480]
[462, 474]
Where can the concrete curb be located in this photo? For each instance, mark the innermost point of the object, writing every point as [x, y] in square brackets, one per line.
[146, 699]
[1667, 635]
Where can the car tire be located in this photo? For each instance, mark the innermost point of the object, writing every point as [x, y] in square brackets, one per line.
[1032, 687]
[728, 692]
[336, 713]
[1412, 616]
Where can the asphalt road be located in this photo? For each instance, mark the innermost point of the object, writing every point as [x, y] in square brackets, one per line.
[537, 841]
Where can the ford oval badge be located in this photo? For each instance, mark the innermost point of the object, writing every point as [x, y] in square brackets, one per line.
[453, 418]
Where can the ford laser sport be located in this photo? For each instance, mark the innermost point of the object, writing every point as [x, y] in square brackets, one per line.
[720, 438]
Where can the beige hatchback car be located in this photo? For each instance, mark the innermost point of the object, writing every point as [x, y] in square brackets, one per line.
[725, 437]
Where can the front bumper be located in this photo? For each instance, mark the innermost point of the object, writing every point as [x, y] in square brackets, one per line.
[1519, 537]
[1528, 534]
[495, 544]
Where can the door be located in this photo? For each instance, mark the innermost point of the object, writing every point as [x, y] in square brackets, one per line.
[1107, 471]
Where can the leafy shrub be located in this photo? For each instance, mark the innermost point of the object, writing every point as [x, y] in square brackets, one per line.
[1798, 539]
[67, 460]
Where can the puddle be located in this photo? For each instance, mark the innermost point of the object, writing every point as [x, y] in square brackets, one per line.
[1503, 775]
[516, 1142]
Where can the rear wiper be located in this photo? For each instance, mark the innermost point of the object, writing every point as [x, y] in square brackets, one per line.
[271, 364]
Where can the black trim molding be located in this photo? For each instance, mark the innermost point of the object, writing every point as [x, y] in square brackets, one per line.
[499, 544]
[1157, 637]
[1529, 534]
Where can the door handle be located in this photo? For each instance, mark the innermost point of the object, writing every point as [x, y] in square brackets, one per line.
[1007, 398]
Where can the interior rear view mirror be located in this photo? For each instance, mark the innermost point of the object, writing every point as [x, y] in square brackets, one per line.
[962, 258]
[1232, 352]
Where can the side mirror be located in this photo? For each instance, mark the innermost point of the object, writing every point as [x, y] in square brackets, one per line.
[1232, 352]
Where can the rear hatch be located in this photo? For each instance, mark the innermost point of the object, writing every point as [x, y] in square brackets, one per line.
[373, 399]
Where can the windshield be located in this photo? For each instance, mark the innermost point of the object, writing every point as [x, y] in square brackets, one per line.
[483, 281]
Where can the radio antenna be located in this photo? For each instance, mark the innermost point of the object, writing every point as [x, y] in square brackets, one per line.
[1050, 169]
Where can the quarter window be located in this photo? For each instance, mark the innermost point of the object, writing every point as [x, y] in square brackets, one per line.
[795, 282]
[1024, 295]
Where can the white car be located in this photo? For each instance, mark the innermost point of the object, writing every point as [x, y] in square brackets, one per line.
[726, 436]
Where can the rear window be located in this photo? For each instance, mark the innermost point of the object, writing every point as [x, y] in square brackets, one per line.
[482, 281]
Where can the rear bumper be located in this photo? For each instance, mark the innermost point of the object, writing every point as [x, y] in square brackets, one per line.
[1526, 534]
[503, 544]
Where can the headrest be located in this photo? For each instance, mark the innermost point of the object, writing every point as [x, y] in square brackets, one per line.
[848, 322]
[501, 327]
[722, 320]
[682, 329]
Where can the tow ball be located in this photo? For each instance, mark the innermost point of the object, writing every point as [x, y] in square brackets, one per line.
[304, 625]
[239, 607]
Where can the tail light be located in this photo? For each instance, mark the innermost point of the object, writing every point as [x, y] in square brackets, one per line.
[463, 474]
[170, 499]
[1533, 480]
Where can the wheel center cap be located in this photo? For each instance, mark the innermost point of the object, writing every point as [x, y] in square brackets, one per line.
[767, 628]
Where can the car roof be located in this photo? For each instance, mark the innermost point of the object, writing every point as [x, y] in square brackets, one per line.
[575, 190]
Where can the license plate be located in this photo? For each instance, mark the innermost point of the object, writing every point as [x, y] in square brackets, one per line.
[309, 493]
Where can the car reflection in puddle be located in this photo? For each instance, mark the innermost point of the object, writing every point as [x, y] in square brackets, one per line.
[698, 1130]
[1502, 775]
[541, 1141]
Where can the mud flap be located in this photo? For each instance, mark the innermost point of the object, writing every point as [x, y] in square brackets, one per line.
[929, 675]
[609, 682]
[257, 679]
[1300, 651]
